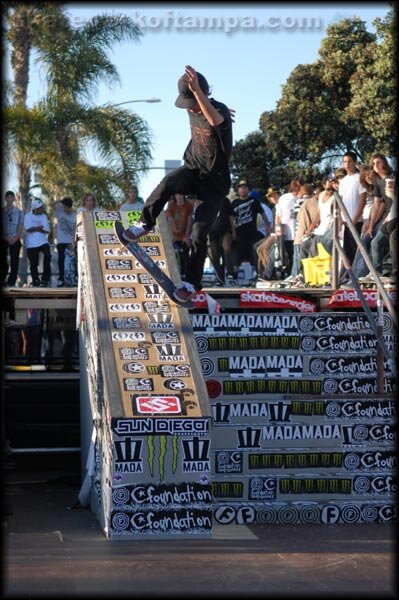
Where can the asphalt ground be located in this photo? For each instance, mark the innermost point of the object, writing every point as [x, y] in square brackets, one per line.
[53, 549]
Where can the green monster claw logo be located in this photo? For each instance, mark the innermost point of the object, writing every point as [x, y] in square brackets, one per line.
[163, 447]
[133, 216]
[151, 454]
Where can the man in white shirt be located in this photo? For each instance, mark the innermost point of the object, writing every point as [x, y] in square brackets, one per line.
[284, 224]
[353, 196]
[37, 228]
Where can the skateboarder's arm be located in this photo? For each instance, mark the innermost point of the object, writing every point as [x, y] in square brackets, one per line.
[211, 114]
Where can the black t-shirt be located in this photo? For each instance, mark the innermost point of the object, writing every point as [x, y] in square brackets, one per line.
[379, 184]
[209, 149]
[246, 212]
[222, 223]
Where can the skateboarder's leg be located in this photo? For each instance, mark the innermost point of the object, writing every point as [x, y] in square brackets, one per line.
[204, 217]
[179, 181]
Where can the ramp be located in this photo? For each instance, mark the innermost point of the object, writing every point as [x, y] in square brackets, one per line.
[145, 409]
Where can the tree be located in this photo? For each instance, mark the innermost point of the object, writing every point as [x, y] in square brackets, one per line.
[251, 159]
[373, 90]
[59, 130]
[27, 24]
[345, 100]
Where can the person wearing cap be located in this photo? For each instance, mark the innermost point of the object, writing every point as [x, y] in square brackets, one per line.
[11, 231]
[246, 210]
[65, 217]
[205, 173]
[37, 228]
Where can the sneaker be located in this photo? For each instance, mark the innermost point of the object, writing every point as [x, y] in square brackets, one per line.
[44, 284]
[134, 232]
[60, 283]
[185, 293]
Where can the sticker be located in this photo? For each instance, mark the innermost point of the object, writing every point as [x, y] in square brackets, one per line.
[118, 265]
[124, 292]
[143, 405]
[121, 278]
[126, 323]
[127, 336]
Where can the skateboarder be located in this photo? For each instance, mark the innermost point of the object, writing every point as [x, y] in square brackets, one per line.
[205, 173]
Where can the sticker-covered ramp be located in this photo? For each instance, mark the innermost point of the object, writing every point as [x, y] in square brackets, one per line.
[145, 412]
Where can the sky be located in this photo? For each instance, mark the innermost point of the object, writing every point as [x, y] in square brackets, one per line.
[246, 52]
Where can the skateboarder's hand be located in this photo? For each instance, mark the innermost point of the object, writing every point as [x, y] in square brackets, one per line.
[192, 79]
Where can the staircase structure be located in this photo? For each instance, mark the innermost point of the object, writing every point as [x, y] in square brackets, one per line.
[273, 411]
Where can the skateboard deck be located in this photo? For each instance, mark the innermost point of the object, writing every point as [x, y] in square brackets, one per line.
[168, 286]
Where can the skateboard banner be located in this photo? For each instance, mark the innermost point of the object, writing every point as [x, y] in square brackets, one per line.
[300, 487]
[270, 299]
[262, 365]
[350, 299]
[299, 435]
[286, 324]
[279, 410]
[302, 512]
[231, 462]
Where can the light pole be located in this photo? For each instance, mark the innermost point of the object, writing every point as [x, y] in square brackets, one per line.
[130, 101]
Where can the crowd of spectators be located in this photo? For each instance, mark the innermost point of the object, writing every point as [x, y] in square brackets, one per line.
[272, 231]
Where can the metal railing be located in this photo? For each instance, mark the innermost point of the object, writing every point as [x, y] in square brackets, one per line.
[338, 252]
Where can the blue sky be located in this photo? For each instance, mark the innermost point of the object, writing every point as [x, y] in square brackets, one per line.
[246, 52]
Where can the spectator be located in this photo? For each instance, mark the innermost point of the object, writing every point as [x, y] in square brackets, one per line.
[379, 245]
[308, 219]
[305, 192]
[32, 335]
[179, 214]
[359, 266]
[221, 238]
[65, 234]
[323, 232]
[390, 228]
[246, 210]
[265, 227]
[89, 203]
[37, 229]
[353, 196]
[284, 226]
[12, 226]
[272, 197]
[133, 202]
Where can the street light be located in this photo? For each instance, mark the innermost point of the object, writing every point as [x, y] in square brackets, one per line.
[130, 101]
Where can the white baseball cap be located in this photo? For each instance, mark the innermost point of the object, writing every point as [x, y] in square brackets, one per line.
[36, 203]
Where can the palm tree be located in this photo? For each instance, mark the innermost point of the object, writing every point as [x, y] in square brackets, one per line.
[56, 131]
[27, 24]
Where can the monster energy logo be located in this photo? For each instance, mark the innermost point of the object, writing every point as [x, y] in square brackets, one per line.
[228, 489]
[295, 460]
[271, 386]
[162, 453]
[274, 342]
[315, 486]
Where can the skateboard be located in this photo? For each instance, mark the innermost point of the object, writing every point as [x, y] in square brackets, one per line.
[149, 265]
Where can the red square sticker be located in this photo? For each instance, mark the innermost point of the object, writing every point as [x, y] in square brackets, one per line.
[158, 404]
